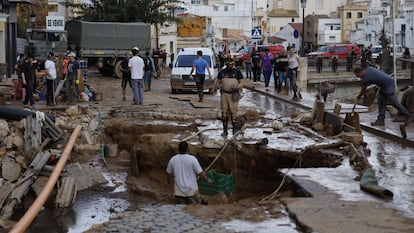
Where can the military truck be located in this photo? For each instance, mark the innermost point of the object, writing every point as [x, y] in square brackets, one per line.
[104, 43]
[42, 41]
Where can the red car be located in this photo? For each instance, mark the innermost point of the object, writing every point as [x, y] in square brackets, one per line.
[240, 56]
[273, 49]
[340, 51]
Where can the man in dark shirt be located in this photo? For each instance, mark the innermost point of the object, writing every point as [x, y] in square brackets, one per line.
[27, 74]
[126, 74]
[230, 81]
[280, 69]
[71, 79]
[256, 65]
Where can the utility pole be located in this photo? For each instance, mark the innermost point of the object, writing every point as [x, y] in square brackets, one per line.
[394, 53]
[302, 49]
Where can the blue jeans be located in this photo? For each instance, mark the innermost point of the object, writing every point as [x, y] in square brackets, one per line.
[384, 97]
[138, 90]
[282, 79]
[248, 71]
[147, 78]
[267, 74]
[292, 75]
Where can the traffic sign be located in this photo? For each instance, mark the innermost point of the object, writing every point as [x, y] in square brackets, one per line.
[257, 34]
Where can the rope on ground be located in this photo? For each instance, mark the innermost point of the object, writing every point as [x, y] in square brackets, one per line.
[298, 160]
[103, 134]
[198, 132]
[103, 138]
[274, 194]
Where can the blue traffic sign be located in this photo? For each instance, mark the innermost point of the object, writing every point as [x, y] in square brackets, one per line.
[257, 34]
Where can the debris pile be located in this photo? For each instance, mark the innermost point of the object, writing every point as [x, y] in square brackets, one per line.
[31, 144]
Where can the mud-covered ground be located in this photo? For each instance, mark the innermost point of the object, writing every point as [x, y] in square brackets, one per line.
[150, 133]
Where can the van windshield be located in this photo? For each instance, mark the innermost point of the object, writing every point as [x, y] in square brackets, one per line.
[187, 60]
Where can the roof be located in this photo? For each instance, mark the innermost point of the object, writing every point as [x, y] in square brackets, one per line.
[283, 13]
[276, 40]
[296, 26]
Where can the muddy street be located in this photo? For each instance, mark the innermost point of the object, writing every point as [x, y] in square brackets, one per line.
[262, 200]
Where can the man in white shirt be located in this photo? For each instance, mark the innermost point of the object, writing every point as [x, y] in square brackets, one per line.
[136, 66]
[185, 168]
[50, 68]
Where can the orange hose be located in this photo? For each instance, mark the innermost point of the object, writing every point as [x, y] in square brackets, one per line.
[32, 212]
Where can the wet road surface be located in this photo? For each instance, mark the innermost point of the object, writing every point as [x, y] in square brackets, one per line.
[393, 165]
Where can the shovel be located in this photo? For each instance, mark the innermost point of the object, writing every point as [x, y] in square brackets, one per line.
[352, 118]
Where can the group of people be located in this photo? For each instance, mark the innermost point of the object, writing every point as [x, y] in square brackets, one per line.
[283, 66]
[27, 66]
[137, 71]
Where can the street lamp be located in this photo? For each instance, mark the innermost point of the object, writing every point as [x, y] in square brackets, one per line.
[303, 5]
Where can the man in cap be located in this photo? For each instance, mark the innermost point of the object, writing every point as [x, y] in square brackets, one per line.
[136, 66]
[230, 81]
[73, 67]
[50, 67]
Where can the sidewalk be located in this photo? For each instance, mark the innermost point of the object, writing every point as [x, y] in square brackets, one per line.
[366, 116]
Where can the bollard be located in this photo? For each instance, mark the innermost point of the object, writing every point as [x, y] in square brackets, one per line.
[349, 65]
[319, 64]
[334, 64]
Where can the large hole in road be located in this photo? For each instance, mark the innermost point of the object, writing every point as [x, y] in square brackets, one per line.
[254, 165]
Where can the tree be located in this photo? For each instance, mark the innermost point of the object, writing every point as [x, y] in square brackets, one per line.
[147, 11]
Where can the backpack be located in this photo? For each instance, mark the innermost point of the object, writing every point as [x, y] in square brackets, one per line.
[147, 64]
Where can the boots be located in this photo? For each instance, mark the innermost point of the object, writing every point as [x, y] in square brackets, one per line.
[225, 127]
[295, 97]
[149, 86]
[235, 128]
[145, 87]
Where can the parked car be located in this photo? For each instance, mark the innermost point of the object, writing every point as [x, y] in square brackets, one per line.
[376, 51]
[340, 51]
[180, 73]
[273, 49]
[240, 56]
[398, 51]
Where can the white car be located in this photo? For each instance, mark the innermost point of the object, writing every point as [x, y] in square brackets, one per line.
[377, 50]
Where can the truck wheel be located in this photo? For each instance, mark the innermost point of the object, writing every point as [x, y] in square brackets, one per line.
[106, 71]
[117, 69]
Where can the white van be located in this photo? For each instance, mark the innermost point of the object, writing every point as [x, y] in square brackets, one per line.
[180, 73]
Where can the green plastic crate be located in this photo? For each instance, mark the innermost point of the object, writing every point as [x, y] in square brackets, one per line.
[221, 183]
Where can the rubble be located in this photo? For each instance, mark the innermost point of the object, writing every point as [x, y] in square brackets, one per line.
[30, 148]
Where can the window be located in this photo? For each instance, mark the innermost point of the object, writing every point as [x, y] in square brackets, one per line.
[187, 60]
[359, 15]
[226, 8]
[348, 15]
[196, 2]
